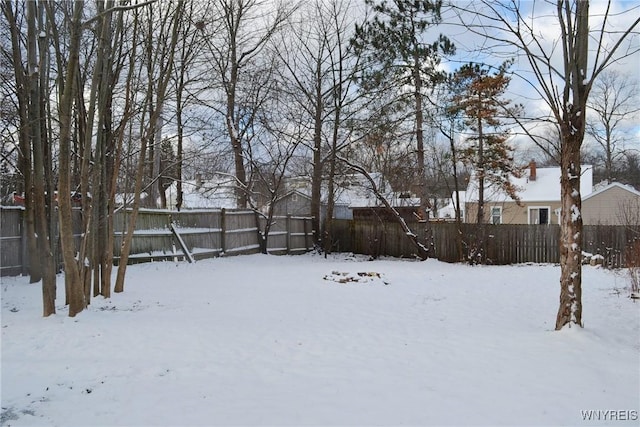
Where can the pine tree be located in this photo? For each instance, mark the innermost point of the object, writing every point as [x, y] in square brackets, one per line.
[478, 97]
[397, 56]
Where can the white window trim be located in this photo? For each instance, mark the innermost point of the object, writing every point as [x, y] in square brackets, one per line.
[491, 214]
[530, 208]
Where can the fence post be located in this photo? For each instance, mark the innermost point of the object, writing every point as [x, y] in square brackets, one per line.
[24, 254]
[288, 226]
[223, 227]
[304, 223]
[262, 236]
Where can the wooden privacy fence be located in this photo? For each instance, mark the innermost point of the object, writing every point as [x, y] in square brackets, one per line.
[161, 234]
[13, 242]
[506, 244]
[210, 233]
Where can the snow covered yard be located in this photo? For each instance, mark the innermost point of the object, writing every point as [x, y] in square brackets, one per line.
[265, 340]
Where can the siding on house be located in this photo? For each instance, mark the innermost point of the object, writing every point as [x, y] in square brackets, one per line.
[298, 203]
[294, 203]
[615, 204]
[537, 188]
[511, 212]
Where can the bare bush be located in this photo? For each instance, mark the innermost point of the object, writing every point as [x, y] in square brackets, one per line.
[632, 259]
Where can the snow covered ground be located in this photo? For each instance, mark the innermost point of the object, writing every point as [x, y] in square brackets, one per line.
[266, 340]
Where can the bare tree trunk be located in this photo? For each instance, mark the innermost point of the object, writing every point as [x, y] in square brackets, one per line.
[100, 255]
[112, 178]
[166, 64]
[422, 178]
[74, 283]
[35, 129]
[126, 241]
[570, 310]
[331, 201]
[458, 218]
[155, 189]
[179, 124]
[479, 255]
[337, 122]
[234, 134]
[318, 166]
[24, 156]
[572, 129]
[424, 203]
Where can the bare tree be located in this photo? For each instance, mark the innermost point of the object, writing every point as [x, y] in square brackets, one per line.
[613, 101]
[186, 76]
[319, 66]
[100, 132]
[563, 71]
[161, 56]
[31, 90]
[73, 282]
[236, 43]
[274, 149]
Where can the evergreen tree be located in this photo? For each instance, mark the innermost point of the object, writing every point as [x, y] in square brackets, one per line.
[397, 57]
[478, 96]
[478, 99]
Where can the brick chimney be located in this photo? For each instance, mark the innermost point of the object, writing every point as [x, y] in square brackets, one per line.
[532, 170]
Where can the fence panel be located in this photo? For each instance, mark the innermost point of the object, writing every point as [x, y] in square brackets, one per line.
[206, 233]
[609, 242]
[289, 235]
[278, 238]
[13, 253]
[445, 241]
[300, 234]
[152, 238]
[201, 231]
[343, 239]
[505, 244]
[240, 232]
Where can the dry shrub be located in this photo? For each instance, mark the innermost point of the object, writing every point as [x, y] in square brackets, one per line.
[632, 260]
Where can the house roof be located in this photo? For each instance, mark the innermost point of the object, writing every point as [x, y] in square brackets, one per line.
[215, 192]
[600, 190]
[354, 190]
[546, 186]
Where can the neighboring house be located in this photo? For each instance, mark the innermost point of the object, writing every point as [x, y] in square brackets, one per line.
[613, 204]
[406, 207]
[294, 202]
[353, 195]
[539, 192]
[298, 202]
[448, 212]
[216, 191]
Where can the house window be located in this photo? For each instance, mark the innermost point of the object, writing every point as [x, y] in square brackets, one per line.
[294, 197]
[540, 215]
[496, 215]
